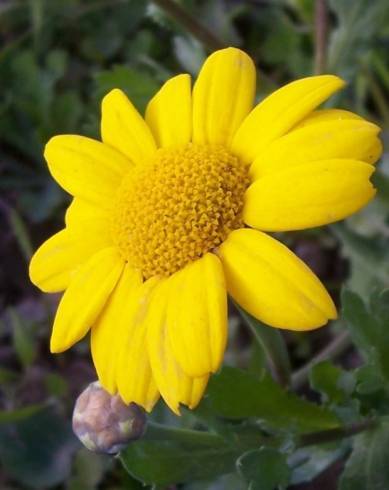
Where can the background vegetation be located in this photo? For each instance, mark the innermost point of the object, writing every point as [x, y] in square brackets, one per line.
[329, 427]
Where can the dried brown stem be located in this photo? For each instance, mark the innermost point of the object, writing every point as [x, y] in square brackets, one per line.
[184, 18]
[321, 26]
[331, 435]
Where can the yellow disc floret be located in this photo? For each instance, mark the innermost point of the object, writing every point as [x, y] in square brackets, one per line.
[178, 207]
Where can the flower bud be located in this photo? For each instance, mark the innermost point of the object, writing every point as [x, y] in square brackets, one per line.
[103, 423]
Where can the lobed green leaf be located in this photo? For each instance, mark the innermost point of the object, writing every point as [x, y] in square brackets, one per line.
[234, 393]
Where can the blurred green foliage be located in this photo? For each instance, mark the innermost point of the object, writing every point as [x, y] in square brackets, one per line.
[57, 59]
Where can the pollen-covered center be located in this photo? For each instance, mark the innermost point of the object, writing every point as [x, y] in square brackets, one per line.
[180, 206]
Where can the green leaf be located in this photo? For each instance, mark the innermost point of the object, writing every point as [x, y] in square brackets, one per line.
[8, 376]
[66, 113]
[283, 43]
[264, 469]
[21, 234]
[88, 470]
[234, 393]
[11, 416]
[368, 326]
[56, 384]
[36, 451]
[309, 462]
[369, 380]
[226, 482]
[139, 87]
[168, 462]
[367, 468]
[107, 27]
[39, 206]
[190, 53]
[22, 338]
[369, 258]
[334, 384]
[336, 387]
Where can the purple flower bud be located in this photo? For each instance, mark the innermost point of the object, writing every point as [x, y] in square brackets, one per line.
[103, 423]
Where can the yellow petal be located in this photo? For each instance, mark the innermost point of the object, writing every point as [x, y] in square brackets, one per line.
[193, 391]
[106, 336]
[353, 139]
[86, 168]
[278, 113]
[80, 213]
[272, 284]
[173, 384]
[58, 259]
[222, 96]
[169, 113]
[89, 222]
[309, 195]
[85, 298]
[327, 115]
[134, 378]
[197, 316]
[123, 128]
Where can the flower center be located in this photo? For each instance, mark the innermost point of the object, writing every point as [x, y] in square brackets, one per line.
[180, 206]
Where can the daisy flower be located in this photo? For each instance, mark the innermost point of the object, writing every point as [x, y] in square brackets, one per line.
[170, 214]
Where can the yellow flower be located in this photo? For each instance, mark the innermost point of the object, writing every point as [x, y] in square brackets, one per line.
[169, 214]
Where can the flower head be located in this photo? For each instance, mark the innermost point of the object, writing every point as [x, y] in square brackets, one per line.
[103, 423]
[169, 214]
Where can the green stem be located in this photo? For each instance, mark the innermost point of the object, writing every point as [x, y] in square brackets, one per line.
[378, 97]
[184, 18]
[162, 432]
[158, 432]
[380, 69]
[273, 344]
[21, 234]
[331, 435]
[332, 350]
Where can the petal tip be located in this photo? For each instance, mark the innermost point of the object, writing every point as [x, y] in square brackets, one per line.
[175, 408]
[334, 315]
[53, 142]
[32, 271]
[56, 347]
[329, 309]
[113, 97]
[231, 50]
[193, 405]
[35, 275]
[334, 80]
[115, 92]
[148, 406]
